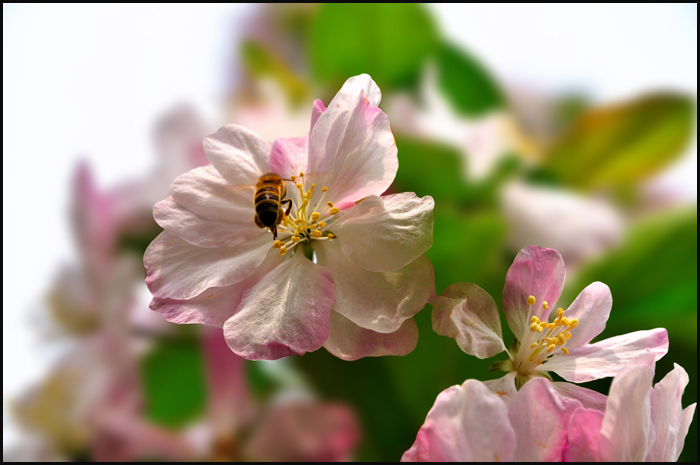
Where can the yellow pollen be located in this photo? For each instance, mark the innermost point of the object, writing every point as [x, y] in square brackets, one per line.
[321, 224]
[298, 221]
[545, 305]
[556, 321]
[330, 204]
[534, 326]
[277, 244]
[293, 178]
[324, 189]
[296, 238]
[574, 322]
[561, 340]
[299, 186]
[301, 174]
[283, 250]
[534, 319]
[550, 326]
[315, 216]
[335, 210]
[531, 300]
[565, 350]
[330, 236]
[568, 335]
[565, 321]
[534, 344]
[560, 312]
[317, 233]
[540, 329]
[550, 347]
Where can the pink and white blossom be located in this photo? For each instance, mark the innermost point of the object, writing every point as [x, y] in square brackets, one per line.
[347, 271]
[534, 282]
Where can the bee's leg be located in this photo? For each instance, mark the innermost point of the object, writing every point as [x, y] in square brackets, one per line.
[289, 206]
[273, 228]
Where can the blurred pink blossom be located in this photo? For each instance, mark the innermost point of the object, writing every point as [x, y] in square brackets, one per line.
[534, 282]
[368, 277]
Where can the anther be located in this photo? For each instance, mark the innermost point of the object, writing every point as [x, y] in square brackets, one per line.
[330, 204]
[283, 250]
[534, 326]
[330, 236]
[565, 350]
[277, 244]
[299, 186]
[317, 233]
[531, 300]
[568, 335]
[574, 322]
[545, 305]
[301, 174]
[315, 216]
[550, 326]
[325, 189]
[298, 221]
[335, 210]
[321, 224]
[560, 312]
[534, 319]
[534, 344]
[293, 178]
[565, 321]
[295, 238]
[550, 347]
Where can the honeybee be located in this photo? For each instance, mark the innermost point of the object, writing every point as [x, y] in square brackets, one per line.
[270, 193]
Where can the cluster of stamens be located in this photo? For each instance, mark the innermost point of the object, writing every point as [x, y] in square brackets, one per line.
[544, 340]
[305, 222]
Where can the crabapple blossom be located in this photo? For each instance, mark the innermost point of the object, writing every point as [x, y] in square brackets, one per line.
[534, 282]
[347, 271]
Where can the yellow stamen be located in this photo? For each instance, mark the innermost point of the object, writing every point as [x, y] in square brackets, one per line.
[568, 335]
[545, 305]
[534, 319]
[531, 300]
[277, 244]
[325, 189]
[565, 350]
[330, 236]
[550, 326]
[574, 322]
[301, 174]
[330, 204]
[283, 250]
[296, 238]
[540, 329]
[335, 210]
[565, 321]
[321, 224]
[315, 216]
[561, 340]
[534, 344]
[534, 326]
[298, 221]
[550, 347]
[560, 312]
[299, 186]
[317, 233]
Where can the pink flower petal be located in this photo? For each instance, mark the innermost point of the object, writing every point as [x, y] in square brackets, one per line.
[353, 143]
[380, 302]
[623, 435]
[588, 398]
[238, 154]
[584, 436]
[286, 313]
[540, 418]
[179, 270]
[467, 423]
[304, 431]
[289, 156]
[216, 304]
[468, 314]
[387, 233]
[316, 112]
[605, 358]
[592, 308]
[537, 272]
[206, 210]
[686, 419]
[667, 415]
[351, 342]
[503, 386]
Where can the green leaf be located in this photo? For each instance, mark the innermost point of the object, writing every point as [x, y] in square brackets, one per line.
[262, 62]
[389, 41]
[624, 143]
[174, 383]
[466, 83]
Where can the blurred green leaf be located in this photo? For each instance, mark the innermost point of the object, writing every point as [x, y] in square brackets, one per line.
[624, 143]
[262, 62]
[174, 383]
[653, 276]
[466, 83]
[389, 41]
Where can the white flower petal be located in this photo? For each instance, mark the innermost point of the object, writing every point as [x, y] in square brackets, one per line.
[179, 270]
[503, 386]
[239, 154]
[607, 357]
[468, 314]
[592, 309]
[377, 301]
[351, 342]
[387, 233]
[286, 313]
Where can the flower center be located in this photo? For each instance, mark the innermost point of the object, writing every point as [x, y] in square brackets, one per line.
[306, 222]
[544, 340]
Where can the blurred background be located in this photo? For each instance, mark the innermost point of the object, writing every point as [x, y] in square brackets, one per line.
[565, 126]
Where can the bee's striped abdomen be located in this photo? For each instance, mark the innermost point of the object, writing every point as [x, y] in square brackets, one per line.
[267, 203]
